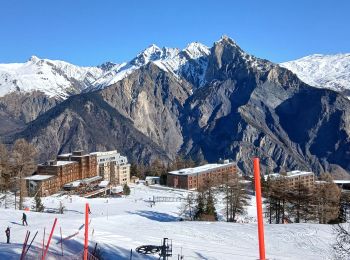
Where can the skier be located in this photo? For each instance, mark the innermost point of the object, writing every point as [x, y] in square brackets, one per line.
[7, 231]
[24, 219]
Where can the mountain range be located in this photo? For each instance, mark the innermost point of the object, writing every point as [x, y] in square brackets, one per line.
[200, 102]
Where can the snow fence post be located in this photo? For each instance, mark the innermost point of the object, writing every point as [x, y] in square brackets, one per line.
[259, 208]
[86, 242]
[48, 242]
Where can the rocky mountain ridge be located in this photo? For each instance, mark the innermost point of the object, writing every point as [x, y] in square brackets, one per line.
[237, 106]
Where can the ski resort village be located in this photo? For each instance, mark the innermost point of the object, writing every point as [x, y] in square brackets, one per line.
[100, 206]
[175, 130]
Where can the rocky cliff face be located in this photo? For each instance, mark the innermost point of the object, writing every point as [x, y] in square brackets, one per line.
[229, 104]
[153, 99]
[252, 107]
[17, 109]
[87, 122]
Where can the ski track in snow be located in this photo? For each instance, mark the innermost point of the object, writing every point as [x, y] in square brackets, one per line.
[122, 224]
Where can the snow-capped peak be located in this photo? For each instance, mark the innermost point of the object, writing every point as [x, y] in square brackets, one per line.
[196, 50]
[323, 71]
[52, 77]
[34, 59]
[153, 53]
[226, 39]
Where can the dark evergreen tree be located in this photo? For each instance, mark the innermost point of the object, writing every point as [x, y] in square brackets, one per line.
[38, 205]
[126, 189]
[200, 207]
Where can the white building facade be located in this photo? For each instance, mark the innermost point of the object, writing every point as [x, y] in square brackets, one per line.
[113, 167]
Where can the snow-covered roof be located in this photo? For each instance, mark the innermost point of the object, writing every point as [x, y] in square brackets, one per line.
[298, 173]
[103, 184]
[199, 169]
[116, 189]
[60, 163]
[65, 154]
[152, 178]
[104, 153]
[39, 177]
[91, 179]
[290, 174]
[342, 181]
[73, 184]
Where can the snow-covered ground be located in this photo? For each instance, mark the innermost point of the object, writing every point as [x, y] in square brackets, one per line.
[121, 224]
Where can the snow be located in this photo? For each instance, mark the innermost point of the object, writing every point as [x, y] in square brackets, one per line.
[121, 224]
[73, 184]
[60, 79]
[53, 77]
[171, 60]
[203, 168]
[299, 173]
[323, 71]
[342, 181]
[103, 184]
[39, 177]
[60, 163]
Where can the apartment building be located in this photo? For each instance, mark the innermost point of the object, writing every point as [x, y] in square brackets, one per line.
[295, 177]
[44, 185]
[51, 176]
[194, 178]
[113, 167]
[87, 163]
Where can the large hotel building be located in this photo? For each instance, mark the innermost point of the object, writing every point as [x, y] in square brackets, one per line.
[194, 178]
[73, 169]
[294, 178]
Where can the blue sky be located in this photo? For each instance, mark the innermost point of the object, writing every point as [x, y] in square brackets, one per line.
[88, 32]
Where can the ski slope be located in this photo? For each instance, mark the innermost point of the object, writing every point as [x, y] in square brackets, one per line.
[121, 224]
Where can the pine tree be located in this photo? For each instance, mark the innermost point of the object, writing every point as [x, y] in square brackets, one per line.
[5, 174]
[39, 207]
[199, 207]
[300, 205]
[210, 210]
[236, 198]
[126, 189]
[22, 164]
[327, 200]
[188, 209]
[277, 199]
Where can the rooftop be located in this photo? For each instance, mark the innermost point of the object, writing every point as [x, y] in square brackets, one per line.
[65, 154]
[91, 179]
[73, 184]
[342, 181]
[297, 173]
[39, 177]
[105, 153]
[103, 184]
[199, 169]
[288, 174]
[60, 163]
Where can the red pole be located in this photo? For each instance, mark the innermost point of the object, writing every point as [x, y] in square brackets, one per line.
[259, 209]
[48, 242]
[86, 243]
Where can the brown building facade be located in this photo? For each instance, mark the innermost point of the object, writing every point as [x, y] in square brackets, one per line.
[68, 168]
[194, 178]
[87, 163]
[294, 178]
